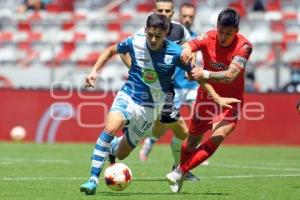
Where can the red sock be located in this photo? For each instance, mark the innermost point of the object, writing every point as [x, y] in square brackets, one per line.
[203, 152]
[184, 155]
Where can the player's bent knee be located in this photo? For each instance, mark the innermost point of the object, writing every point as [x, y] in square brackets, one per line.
[110, 130]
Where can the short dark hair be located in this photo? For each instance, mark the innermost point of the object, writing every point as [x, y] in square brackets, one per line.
[164, 1]
[157, 1]
[189, 5]
[229, 17]
[158, 21]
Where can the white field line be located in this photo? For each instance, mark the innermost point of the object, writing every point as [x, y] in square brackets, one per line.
[21, 160]
[268, 166]
[255, 167]
[152, 178]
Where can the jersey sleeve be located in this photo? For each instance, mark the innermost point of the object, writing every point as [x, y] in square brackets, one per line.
[242, 55]
[199, 42]
[124, 46]
[187, 36]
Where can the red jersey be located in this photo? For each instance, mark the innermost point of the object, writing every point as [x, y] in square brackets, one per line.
[217, 58]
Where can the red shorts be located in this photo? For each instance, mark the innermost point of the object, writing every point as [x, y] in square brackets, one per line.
[207, 112]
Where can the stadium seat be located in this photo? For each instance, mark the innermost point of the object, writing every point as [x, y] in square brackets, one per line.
[34, 36]
[5, 82]
[53, 8]
[114, 26]
[60, 6]
[239, 7]
[278, 26]
[35, 16]
[290, 16]
[89, 60]
[24, 25]
[144, 7]
[68, 25]
[79, 36]
[290, 37]
[273, 5]
[6, 37]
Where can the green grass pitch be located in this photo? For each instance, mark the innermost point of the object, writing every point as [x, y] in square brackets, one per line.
[54, 172]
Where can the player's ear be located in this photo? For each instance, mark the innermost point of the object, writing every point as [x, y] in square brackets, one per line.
[237, 29]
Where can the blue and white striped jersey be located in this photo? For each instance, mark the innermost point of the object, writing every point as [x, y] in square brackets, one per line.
[151, 72]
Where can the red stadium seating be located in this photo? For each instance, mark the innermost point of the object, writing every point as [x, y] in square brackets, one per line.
[68, 25]
[144, 7]
[114, 26]
[6, 36]
[239, 7]
[24, 25]
[273, 5]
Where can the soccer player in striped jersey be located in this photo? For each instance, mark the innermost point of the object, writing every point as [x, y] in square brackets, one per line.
[185, 90]
[140, 100]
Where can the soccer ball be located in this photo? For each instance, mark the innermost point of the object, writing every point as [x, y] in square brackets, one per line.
[18, 133]
[117, 176]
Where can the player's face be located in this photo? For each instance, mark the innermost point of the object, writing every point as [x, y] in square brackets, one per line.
[164, 8]
[226, 35]
[187, 15]
[155, 37]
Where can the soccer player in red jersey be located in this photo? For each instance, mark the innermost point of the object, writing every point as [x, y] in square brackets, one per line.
[225, 53]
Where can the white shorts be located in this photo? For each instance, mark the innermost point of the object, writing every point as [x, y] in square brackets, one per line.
[184, 97]
[139, 119]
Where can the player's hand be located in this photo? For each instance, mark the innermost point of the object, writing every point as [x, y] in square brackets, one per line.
[188, 76]
[90, 80]
[196, 74]
[226, 101]
[186, 56]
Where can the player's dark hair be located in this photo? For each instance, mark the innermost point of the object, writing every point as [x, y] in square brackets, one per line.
[158, 21]
[189, 5]
[229, 17]
[165, 1]
[157, 1]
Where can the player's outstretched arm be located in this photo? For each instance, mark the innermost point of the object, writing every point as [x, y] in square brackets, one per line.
[102, 59]
[187, 55]
[222, 101]
[226, 76]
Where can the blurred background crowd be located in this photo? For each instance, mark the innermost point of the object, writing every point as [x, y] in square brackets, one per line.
[53, 43]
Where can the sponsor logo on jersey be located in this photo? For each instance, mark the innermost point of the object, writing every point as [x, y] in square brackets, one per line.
[219, 66]
[168, 59]
[149, 75]
[145, 60]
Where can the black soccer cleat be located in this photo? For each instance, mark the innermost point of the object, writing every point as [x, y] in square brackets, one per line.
[112, 159]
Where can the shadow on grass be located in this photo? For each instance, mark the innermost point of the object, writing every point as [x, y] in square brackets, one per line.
[121, 194]
[128, 194]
